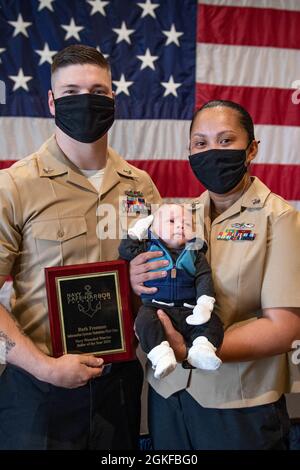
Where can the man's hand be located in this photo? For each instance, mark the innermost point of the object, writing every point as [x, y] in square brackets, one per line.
[73, 370]
[140, 271]
[175, 338]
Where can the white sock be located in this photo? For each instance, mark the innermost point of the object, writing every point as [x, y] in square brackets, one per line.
[163, 360]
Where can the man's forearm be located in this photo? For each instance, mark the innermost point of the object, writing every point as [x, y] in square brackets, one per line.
[20, 350]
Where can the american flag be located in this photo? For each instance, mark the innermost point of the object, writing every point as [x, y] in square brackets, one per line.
[167, 57]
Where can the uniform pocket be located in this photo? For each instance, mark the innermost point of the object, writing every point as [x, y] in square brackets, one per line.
[61, 241]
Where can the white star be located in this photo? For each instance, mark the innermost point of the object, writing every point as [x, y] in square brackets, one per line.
[147, 60]
[172, 36]
[148, 8]
[171, 87]
[46, 54]
[122, 85]
[72, 30]
[123, 33]
[98, 6]
[20, 26]
[20, 80]
[106, 56]
[46, 4]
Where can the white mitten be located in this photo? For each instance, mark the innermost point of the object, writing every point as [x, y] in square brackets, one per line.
[202, 311]
[203, 355]
[140, 228]
[163, 360]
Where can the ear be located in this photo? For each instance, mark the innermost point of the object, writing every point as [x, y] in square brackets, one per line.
[253, 149]
[51, 102]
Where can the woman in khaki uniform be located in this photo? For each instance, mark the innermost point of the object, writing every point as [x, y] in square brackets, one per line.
[254, 244]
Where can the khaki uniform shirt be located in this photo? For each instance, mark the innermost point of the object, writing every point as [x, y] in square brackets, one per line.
[50, 215]
[248, 277]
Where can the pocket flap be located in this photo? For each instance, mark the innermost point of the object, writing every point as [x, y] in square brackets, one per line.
[59, 229]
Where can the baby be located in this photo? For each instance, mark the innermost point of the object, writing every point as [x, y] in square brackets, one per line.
[186, 294]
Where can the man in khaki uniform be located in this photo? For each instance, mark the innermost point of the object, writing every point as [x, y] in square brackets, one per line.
[66, 204]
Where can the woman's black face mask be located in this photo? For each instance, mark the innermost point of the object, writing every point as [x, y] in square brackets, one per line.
[219, 170]
[84, 117]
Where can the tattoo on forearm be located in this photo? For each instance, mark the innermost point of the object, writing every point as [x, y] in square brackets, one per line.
[9, 344]
[19, 326]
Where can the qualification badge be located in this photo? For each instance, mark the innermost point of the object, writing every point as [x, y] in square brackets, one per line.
[238, 232]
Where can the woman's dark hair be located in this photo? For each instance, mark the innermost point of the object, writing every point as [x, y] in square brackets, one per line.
[244, 117]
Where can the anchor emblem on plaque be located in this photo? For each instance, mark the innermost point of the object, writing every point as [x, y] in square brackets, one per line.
[89, 309]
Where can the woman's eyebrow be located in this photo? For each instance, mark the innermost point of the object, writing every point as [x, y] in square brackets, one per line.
[199, 134]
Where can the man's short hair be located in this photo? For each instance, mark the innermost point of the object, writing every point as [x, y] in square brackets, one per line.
[78, 54]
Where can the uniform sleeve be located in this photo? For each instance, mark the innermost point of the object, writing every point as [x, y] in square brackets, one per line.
[10, 227]
[281, 280]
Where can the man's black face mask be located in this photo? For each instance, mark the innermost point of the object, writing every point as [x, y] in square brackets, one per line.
[84, 117]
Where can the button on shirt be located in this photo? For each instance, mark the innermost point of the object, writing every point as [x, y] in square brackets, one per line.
[51, 215]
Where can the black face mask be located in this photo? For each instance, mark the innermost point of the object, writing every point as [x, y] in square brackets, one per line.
[84, 117]
[219, 170]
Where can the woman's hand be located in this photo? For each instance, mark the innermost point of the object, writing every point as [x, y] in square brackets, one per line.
[140, 271]
[175, 339]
